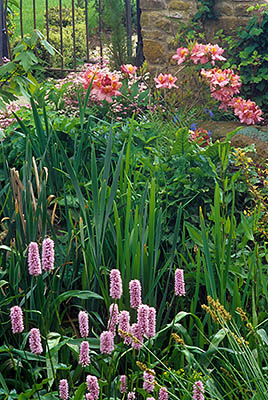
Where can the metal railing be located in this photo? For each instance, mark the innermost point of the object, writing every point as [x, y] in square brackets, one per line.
[47, 28]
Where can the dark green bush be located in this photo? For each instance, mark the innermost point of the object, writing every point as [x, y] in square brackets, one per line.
[67, 33]
[250, 55]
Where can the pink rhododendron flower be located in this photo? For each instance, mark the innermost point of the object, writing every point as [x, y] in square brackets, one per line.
[247, 111]
[105, 84]
[179, 283]
[224, 84]
[181, 54]
[204, 53]
[129, 69]
[16, 319]
[165, 81]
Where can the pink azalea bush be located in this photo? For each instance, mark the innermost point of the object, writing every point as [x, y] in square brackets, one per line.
[224, 84]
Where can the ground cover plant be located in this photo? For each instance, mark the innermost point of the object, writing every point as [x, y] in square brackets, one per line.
[133, 248]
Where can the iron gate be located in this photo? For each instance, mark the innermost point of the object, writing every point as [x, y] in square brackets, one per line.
[4, 42]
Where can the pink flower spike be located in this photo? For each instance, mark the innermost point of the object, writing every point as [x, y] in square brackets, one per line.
[123, 385]
[16, 319]
[106, 342]
[163, 394]
[150, 398]
[148, 383]
[198, 393]
[135, 293]
[143, 312]
[84, 358]
[63, 389]
[131, 396]
[93, 387]
[113, 321]
[179, 283]
[115, 284]
[124, 325]
[35, 341]
[151, 322]
[137, 340]
[48, 255]
[34, 263]
[83, 323]
[89, 396]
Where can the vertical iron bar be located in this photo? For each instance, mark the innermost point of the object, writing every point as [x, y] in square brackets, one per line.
[21, 20]
[87, 33]
[100, 33]
[139, 47]
[74, 44]
[129, 28]
[61, 36]
[47, 28]
[1, 31]
[47, 25]
[6, 37]
[34, 14]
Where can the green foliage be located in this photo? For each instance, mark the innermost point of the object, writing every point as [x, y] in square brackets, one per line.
[67, 33]
[205, 11]
[134, 195]
[17, 76]
[249, 54]
[113, 15]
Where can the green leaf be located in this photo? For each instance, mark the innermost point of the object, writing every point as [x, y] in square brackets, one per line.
[80, 294]
[3, 383]
[195, 234]
[255, 31]
[27, 59]
[262, 333]
[182, 144]
[47, 46]
[80, 391]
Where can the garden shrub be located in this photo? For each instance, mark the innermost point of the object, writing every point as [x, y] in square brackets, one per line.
[116, 40]
[67, 33]
[249, 54]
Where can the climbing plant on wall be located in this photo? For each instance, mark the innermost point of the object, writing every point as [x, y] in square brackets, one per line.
[205, 11]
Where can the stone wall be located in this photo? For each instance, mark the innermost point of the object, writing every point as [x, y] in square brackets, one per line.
[160, 18]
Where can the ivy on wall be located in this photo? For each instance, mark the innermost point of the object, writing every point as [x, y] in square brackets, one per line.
[205, 11]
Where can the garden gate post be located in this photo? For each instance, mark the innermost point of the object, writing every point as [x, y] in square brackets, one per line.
[3, 34]
[139, 48]
[129, 28]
